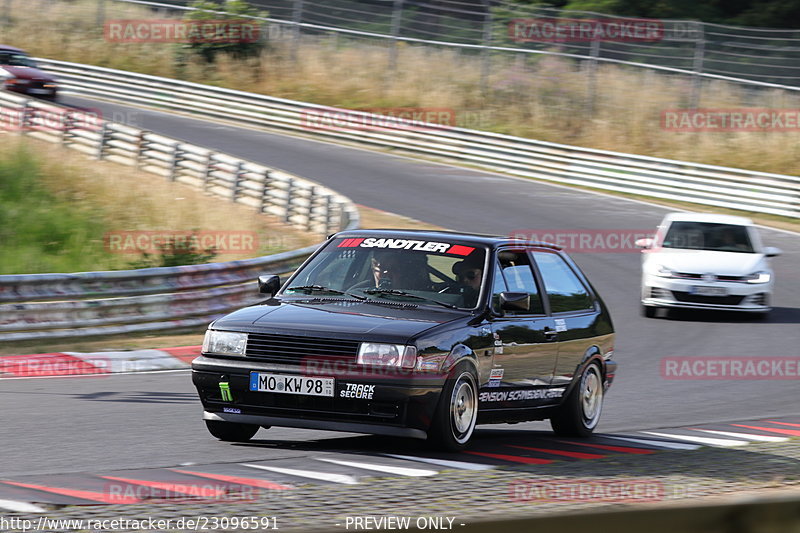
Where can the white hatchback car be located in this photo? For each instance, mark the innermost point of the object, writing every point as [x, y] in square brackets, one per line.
[705, 261]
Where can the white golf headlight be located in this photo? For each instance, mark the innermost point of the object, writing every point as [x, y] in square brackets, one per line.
[664, 272]
[224, 342]
[758, 277]
[393, 355]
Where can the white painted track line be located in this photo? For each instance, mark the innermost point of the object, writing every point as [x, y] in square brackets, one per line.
[310, 474]
[461, 465]
[708, 441]
[399, 470]
[745, 436]
[20, 507]
[658, 443]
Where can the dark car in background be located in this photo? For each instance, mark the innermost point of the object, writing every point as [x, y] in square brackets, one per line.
[20, 74]
[415, 334]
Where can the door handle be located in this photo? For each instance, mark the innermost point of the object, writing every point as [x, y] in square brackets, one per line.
[550, 334]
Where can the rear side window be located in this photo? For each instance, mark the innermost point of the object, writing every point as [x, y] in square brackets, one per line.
[564, 289]
[518, 276]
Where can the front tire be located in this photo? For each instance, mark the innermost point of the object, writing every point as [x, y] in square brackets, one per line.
[579, 415]
[231, 431]
[648, 311]
[457, 411]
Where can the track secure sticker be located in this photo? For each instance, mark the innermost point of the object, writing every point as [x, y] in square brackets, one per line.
[561, 324]
[407, 244]
[359, 391]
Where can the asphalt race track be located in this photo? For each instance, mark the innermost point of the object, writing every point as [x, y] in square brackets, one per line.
[150, 420]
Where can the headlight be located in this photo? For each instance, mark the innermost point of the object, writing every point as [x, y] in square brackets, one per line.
[664, 272]
[224, 342]
[758, 277]
[394, 355]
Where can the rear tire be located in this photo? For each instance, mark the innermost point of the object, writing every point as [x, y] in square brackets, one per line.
[579, 415]
[454, 420]
[231, 431]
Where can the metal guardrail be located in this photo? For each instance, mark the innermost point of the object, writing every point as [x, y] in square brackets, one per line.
[36, 306]
[598, 169]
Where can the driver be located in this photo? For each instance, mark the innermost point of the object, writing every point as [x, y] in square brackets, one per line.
[469, 274]
[401, 271]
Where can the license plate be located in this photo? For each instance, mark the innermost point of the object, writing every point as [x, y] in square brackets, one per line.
[40, 91]
[709, 291]
[286, 384]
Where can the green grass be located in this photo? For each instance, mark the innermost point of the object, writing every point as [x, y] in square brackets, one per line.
[41, 231]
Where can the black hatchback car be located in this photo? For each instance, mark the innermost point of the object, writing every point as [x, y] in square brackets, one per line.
[416, 334]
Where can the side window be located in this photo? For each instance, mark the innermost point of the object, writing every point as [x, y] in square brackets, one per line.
[498, 287]
[565, 290]
[518, 276]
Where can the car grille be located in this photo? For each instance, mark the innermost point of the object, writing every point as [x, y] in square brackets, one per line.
[688, 275]
[697, 299]
[293, 349]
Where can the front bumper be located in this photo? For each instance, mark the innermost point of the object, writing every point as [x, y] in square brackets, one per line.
[398, 406]
[677, 293]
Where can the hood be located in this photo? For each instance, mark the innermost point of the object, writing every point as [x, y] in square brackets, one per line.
[27, 73]
[703, 261]
[345, 319]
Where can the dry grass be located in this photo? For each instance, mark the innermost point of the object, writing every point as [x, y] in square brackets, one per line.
[541, 97]
[129, 200]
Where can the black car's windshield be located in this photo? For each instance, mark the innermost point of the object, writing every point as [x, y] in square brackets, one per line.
[449, 274]
[708, 236]
[15, 59]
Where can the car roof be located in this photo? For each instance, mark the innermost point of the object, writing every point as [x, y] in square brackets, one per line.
[443, 235]
[708, 217]
[6, 48]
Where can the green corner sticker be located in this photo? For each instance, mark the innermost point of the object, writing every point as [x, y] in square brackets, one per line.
[225, 390]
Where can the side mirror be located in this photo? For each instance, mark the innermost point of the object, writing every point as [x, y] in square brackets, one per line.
[644, 243]
[771, 251]
[269, 284]
[515, 301]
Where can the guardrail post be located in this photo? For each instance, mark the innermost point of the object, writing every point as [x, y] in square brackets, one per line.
[24, 117]
[207, 172]
[67, 124]
[101, 145]
[487, 42]
[591, 77]
[297, 18]
[344, 216]
[699, 55]
[177, 154]
[289, 194]
[327, 215]
[141, 148]
[397, 16]
[265, 183]
[312, 196]
[237, 181]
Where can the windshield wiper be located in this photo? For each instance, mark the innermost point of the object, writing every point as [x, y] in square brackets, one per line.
[395, 292]
[320, 288]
